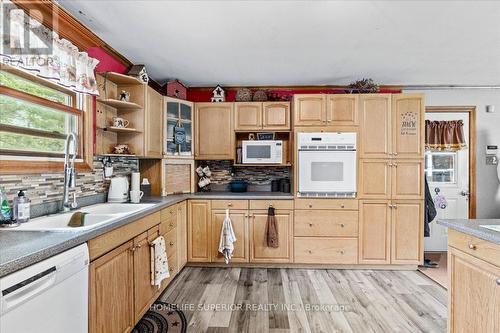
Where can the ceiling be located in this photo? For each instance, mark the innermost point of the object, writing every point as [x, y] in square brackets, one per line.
[260, 43]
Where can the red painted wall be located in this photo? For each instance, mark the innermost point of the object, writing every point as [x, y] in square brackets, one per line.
[106, 62]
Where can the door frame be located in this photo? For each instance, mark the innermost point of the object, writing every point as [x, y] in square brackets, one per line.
[471, 110]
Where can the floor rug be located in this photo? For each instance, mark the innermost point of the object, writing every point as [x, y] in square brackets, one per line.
[162, 318]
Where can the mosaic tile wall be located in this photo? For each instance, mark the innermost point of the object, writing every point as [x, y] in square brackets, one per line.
[48, 187]
[257, 177]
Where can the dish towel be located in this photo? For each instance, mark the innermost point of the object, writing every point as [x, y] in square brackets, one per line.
[271, 229]
[227, 238]
[159, 263]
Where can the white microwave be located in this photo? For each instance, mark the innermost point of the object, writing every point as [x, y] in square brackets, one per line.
[262, 152]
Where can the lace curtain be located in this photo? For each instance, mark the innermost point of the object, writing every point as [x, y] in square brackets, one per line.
[444, 135]
[45, 54]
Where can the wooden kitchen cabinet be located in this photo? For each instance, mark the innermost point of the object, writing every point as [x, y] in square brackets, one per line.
[375, 179]
[375, 120]
[182, 234]
[342, 109]
[325, 250]
[154, 120]
[111, 287]
[259, 251]
[408, 112]
[214, 138]
[374, 232]
[199, 231]
[239, 220]
[276, 116]
[247, 116]
[407, 237]
[309, 109]
[407, 179]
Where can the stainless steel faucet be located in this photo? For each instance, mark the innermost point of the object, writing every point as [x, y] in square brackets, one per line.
[69, 172]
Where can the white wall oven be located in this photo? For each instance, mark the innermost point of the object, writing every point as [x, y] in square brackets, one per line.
[262, 151]
[327, 165]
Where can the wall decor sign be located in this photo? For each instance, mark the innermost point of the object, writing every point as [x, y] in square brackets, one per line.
[265, 136]
[409, 123]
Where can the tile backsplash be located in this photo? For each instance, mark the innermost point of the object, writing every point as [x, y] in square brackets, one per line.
[48, 187]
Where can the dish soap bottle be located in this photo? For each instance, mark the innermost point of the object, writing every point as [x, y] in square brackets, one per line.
[21, 207]
[5, 214]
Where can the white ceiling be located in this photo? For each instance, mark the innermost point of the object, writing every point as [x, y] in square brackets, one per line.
[302, 42]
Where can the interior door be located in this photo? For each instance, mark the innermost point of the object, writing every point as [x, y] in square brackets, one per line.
[448, 172]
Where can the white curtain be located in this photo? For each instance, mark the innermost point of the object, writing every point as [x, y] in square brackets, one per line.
[45, 54]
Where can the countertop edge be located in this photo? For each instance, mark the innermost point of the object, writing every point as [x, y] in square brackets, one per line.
[471, 227]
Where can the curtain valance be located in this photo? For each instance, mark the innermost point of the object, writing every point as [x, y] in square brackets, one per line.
[444, 135]
[30, 46]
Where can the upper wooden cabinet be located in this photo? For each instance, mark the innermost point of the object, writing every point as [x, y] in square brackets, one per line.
[177, 112]
[154, 121]
[199, 231]
[309, 109]
[407, 179]
[376, 125]
[239, 220]
[214, 139]
[408, 112]
[375, 177]
[254, 116]
[407, 239]
[342, 109]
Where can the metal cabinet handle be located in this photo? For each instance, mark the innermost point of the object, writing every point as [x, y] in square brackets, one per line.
[472, 246]
[229, 204]
[310, 224]
[171, 243]
[342, 225]
[310, 206]
[310, 251]
[341, 251]
[342, 206]
[395, 206]
[498, 282]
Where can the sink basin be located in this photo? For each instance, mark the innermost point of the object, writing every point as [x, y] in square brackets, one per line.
[115, 208]
[494, 227]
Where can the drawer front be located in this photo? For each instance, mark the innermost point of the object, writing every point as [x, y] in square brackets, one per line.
[171, 242]
[169, 213]
[231, 204]
[278, 204]
[172, 268]
[347, 204]
[327, 223]
[474, 246]
[314, 250]
[168, 224]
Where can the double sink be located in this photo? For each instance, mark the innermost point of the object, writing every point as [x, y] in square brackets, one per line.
[95, 215]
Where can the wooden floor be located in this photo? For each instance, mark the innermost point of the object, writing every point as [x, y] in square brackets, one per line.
[307, 300]
[439, 274]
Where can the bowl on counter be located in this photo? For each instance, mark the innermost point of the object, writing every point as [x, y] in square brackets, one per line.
[238, 186]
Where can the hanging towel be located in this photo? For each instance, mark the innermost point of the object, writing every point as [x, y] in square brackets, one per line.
[227, 238]
[271, 229]
[159, 263]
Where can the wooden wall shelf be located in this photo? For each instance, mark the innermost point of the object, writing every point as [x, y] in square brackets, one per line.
[122, 129]
[121, 79]
[121, 105]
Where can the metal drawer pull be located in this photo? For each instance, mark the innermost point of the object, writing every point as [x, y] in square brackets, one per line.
[498, 282]
[171, 243]
[229, 204]
[310, 206]
[310, 251]
[341, 251]
[342, 206]
[342, 225]
[472, 246]
[310, 224]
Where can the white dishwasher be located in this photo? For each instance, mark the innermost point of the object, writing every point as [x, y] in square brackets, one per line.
[50, 296]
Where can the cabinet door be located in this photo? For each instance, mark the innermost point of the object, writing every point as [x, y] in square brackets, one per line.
[374, 232]
[111, 291]
[259, 251]
[407, 232]
[214, 131]
[474, 294]
[309, 110]
[407, 179]
[144, 292]
[239, 220]
[153, 129]
[199, 231]
[376, 126]
[408, 113]
[276, 116]
[248, 116]
[375, 179]
[181, 234]
[342, 109]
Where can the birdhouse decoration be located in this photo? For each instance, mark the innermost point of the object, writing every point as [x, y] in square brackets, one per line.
[218, 95]
[139, 72]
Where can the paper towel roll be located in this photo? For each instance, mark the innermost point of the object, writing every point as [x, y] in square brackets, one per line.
[136, 181]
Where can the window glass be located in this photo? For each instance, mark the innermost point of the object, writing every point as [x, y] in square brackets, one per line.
[172, 110]
[185, 112]
[440, 167]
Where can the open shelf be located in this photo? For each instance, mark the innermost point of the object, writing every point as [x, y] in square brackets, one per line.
[119, 155]
[122, 105]
[122, 129]
[262, 165]
[121, 78]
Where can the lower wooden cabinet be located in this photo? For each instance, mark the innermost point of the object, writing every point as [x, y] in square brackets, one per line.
[259, 251]
[182, 233]
[407, 236]
[325, 250]
[239, 220]
[374, 232]
[199, 231]
[111, 288]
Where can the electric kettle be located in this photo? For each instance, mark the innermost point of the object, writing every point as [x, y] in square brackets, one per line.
[118, 189]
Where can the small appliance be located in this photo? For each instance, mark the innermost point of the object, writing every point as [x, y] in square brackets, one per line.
[118, 189]
[326, 165]
[262, 151]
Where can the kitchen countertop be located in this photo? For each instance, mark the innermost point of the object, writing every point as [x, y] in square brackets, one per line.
[473, 227]
[19, 249]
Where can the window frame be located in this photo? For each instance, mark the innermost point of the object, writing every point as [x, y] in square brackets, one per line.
[81, 105]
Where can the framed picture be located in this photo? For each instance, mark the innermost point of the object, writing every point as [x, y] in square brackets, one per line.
[265, 136]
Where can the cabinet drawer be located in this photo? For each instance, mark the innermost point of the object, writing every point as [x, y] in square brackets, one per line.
[278, 204]
[348, 204]
[172, 268]
[171, 242]
[168, 213]
[231, 204]
[333, 223]
[168, 224]
[325, 250]
[474, 246]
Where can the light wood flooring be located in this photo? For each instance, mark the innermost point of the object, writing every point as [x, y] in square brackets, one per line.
[439, 274]
[307, 300]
